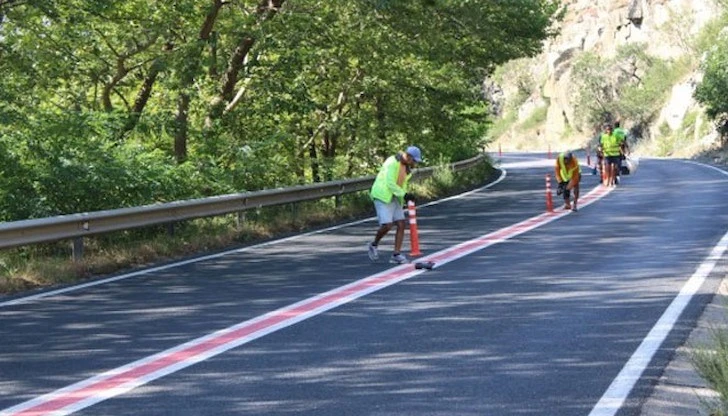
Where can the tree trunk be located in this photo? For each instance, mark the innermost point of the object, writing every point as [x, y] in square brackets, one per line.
[141, 101]
[121, 72]
[180, 134]
[219, 104]
[230, 78]
[188, 78]
[213, 55]
[142, 98]
[329, 151]
[312, 154]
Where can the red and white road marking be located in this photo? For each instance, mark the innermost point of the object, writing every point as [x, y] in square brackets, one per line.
[123, 379]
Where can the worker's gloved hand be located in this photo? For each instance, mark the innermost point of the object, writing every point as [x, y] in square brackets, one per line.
[561, 187]
[409, 197]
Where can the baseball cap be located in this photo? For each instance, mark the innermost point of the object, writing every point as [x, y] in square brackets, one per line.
[414, 151]
[568, 155]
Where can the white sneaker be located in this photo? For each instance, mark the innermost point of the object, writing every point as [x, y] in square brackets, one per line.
[373, 252]
[398, 259]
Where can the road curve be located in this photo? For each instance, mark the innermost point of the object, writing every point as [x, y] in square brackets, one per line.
[540, 322]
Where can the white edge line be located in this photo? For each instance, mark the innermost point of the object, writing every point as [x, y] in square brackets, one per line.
[620, 388]
[363, 290]
[138, 381]
[27, 299]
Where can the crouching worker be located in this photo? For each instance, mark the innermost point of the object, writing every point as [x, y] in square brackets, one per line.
[568, 175]
[389, 193]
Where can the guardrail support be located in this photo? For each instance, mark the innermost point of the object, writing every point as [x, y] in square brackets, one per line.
[239, 220]
[77, 249]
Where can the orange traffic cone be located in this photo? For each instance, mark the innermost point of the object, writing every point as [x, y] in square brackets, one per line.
[549, 200]
[414, 238]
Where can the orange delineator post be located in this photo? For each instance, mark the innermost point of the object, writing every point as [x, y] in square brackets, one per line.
[500, 152]
[414, 238]
[549, 154]
[588, 157]
[549, 201]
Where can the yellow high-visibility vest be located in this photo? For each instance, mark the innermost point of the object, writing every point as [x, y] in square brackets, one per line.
[385, 185]
[610, 144]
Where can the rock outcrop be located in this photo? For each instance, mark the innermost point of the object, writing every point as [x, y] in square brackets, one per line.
[602, 27]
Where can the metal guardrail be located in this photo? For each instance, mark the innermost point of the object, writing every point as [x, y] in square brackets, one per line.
[77, 226]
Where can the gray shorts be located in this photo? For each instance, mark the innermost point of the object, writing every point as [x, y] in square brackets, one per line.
[389, 213]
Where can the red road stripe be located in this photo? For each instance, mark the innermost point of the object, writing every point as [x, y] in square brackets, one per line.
[110, 384]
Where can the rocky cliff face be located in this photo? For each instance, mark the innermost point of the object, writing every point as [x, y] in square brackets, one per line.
[601, 27]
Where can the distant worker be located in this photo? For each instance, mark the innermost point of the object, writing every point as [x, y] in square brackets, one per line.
[389, 193]
[568, 175]
[621, 135]
[599, 165]
[612, 154]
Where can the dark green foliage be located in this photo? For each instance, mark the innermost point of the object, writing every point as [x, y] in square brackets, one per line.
[113, 103]
[712, 92]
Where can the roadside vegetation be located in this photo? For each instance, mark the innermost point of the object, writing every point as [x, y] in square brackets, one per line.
[121, 103]
[711, 362]
[45, 265]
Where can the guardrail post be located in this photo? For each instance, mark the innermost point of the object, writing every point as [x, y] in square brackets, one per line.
[77, 249]
[239, 220]
[170, 229]
[294, 212]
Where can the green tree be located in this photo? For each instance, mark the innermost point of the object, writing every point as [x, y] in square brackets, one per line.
[147, 101]
[712, 91]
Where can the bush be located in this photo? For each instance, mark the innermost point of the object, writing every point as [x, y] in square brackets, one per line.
[68, 164]
[712, 365]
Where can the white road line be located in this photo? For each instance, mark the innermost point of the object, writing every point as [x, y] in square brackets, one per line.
[123, 379]
[45, 294]
[617, 392]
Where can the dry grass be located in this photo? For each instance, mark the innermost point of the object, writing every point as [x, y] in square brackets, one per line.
[40, 266]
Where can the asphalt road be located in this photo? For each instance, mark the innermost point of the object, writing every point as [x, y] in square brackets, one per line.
[538, 324]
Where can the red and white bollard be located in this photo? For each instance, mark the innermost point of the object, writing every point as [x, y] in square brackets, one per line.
[549, 200]
[414, 237]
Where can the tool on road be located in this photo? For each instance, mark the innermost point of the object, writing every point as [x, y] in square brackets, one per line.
[424, 265]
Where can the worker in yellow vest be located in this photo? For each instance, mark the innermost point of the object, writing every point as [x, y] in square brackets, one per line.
[612, 154]
[621, 135]
[389, 193]
[568, 176]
